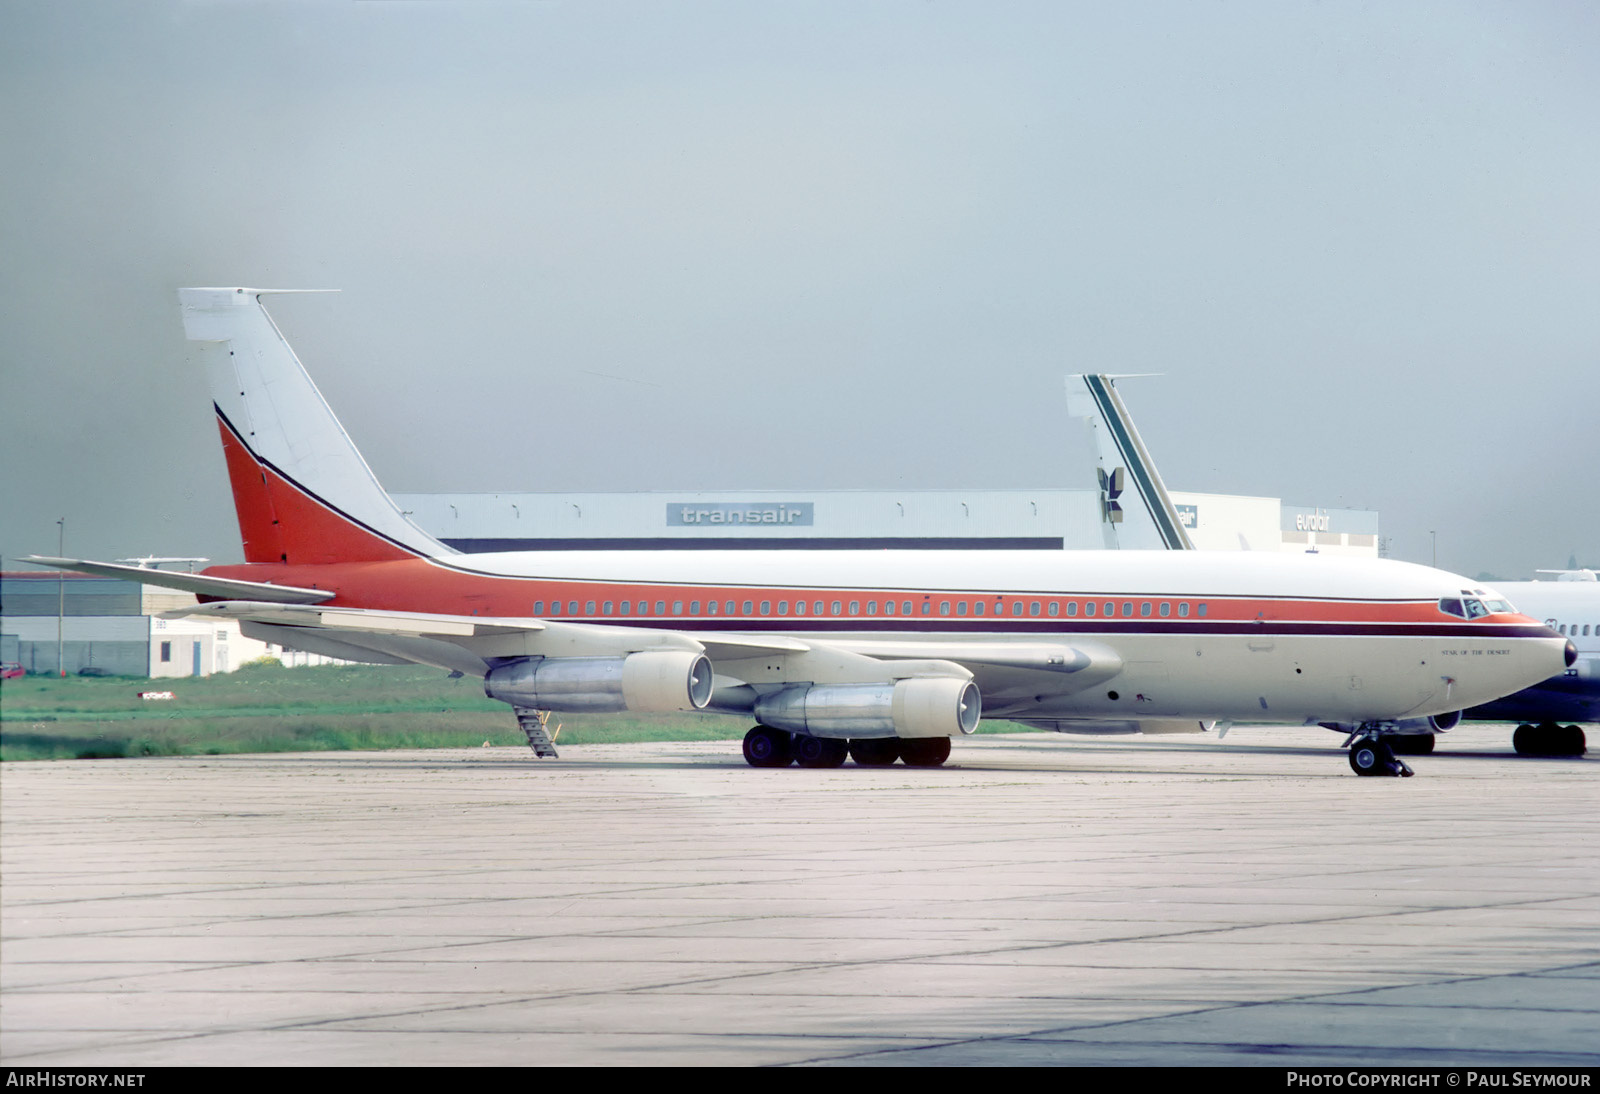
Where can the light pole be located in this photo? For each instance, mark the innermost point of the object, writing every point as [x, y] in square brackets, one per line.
[61, 596]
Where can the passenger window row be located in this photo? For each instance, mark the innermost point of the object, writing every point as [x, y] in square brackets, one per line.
[974, 608]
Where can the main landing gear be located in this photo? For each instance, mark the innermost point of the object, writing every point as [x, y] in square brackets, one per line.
[765, 746]
[1549, 739]
[1370, 754]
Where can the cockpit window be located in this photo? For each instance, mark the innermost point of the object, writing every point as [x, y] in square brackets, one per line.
[1499, 606]
[1451, 606]
[1474, 607]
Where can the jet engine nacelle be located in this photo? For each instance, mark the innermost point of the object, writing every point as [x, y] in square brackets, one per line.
[653, 681]
[1433, 723]
[1444, 723]
[919, 707]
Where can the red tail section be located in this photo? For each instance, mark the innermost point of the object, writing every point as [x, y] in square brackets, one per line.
[280, 521]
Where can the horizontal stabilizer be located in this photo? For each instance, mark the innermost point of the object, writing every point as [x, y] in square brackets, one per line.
[361, 619]
[199, 584]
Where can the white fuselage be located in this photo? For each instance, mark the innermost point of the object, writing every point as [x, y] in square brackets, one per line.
[1186, 634]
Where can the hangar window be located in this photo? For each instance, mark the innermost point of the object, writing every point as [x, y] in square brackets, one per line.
[538, 607]
[836, 608]
[677, 607]
[1072, 607]
[1088, 607]
[1183, 610]
[588, 607]
[748, 607]
[166, 652]
[1144, 609]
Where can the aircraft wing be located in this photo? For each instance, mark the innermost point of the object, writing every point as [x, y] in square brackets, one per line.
[745, 665]
[199, 584]
[466, 643]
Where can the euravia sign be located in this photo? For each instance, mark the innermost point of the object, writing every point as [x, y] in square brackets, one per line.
[787, 514]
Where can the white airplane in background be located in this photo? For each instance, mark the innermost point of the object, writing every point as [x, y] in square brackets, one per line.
[877, 655]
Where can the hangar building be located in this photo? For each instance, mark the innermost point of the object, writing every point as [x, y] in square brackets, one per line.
[1053, 519]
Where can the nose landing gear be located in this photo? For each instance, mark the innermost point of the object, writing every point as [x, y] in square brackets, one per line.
[1371, 755]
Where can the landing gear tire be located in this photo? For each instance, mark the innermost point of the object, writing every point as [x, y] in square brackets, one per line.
[924, 751]
[1549, 739]
[767, 747]
[875, 751]
[818, 751]
[1413, 744]
[1374, 757]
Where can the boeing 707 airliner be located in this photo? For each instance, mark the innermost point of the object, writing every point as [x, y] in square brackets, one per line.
[872, 655]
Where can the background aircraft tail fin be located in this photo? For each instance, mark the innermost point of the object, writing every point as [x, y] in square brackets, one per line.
[1135, 510]
[301, 489]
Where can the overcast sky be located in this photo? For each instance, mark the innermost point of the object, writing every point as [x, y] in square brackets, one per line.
[646, 245]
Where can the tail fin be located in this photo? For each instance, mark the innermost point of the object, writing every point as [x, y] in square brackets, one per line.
[302, 492]
[1151, 521]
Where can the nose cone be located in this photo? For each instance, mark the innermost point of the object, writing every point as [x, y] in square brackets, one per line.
[1533, 657]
